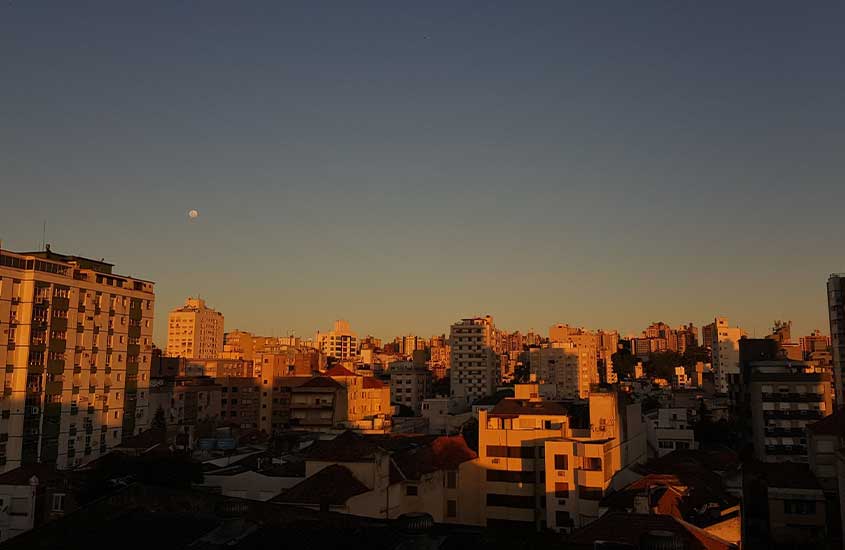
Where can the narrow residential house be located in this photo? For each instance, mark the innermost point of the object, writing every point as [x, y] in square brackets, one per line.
[341, 400]
[32, 495]
[670, 429]
[385, 476]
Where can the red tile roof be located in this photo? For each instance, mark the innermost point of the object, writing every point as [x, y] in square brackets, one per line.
[339, 371]
[683, 496]
[320, 382]
[444, 453]
[333, 484]
[634, 528]
[371, 383]
[833, 424]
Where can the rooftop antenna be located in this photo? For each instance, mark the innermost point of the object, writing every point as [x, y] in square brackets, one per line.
[44, 235]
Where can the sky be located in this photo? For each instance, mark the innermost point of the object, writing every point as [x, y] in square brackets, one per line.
[406, 164]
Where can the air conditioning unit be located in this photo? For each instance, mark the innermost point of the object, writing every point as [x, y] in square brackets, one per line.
[496, 460]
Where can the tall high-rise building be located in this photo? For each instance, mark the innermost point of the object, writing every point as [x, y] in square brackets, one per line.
[76, 342]
[569, 368]
[725, 353]
[340, 343]
[836, 303]
[474, 364]
[195, 330]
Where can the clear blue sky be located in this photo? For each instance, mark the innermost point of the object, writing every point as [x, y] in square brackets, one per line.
[404, 164]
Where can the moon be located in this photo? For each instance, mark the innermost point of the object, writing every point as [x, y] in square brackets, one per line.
[193, 214]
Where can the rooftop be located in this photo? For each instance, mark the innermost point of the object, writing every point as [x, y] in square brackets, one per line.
[320, 382]
[633, 529]
[22, 474]
[516, 407]
[339, 371]
[833, 424]
[333, 484]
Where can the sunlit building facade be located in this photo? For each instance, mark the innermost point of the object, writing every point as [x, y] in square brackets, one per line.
[76, 343]
[195, 330]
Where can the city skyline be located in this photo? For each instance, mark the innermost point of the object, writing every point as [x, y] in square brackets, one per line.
[403, 167]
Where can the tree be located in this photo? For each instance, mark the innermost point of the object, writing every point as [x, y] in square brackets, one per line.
[693, 355]
[159, 422]
[623, 363]
[662, 364]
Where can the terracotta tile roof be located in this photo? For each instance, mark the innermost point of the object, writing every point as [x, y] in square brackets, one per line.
[833, 424]
[444, 453]
[516, 407]
[320, 382]
[22, 474]
[371, 383]
[339, 371]
[633, 529]
[700, 500]
[333, 484]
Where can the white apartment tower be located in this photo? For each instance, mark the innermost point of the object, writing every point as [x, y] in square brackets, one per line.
[725, 353]
[569, 368]
[75, 341]
[340, 343]
[195, 330]
[474, 364]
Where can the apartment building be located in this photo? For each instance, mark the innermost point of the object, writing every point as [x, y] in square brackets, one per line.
[814, 343]
[670, 429]
[474, 365]
[569, 369]
[548, 464]
[725, 353]
[410, 384]
[276, 398]
[186, 401]
[341, 399]
[340, 343]
[785, 397]
[240, 401]
[75, 340]
[195, 330]
[836, 308]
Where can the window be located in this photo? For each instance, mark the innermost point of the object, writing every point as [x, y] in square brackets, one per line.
[510, 501]
[799, 507]
[411, 490]
[591, 464]
[451, 508]
[451, 479]
[59, 502]
[19, 507]
[562, 519]
[561, 462]
[561, 490]
[588, 493]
